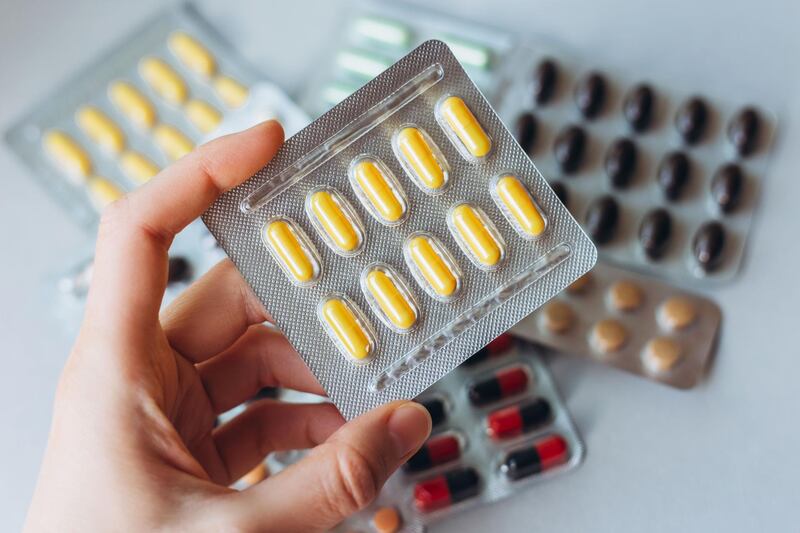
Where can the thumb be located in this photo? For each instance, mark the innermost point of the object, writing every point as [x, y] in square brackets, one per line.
[340, 476]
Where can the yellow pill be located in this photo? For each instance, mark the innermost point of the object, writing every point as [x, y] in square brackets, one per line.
[380, 190]
[230, 91]
[192, 54]
[392, 299]
[163, 79]
[342, 322]
[288, 249]
[133, 104]
[437, 272]
[339, 228]
[103, 192]
[466, 127]
[419, 155]
[518, 203]
[100, 129]
[203, 115]
[475, 235]
[137, 166]
[174, 143]
[67, 154]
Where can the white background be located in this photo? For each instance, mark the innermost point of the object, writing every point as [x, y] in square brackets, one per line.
[723, 456]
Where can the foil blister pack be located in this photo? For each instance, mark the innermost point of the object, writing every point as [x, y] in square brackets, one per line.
[148, 101]
[499, 427]
[376, 34]
[632, 322]
[665, 181]
[384, 291]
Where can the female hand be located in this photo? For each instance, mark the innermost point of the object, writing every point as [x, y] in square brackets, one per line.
[132, 444]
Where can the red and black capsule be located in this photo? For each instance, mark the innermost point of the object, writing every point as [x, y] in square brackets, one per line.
[541, 456]
[436, 451]
[498, 346]
[518, 419]
[447, 489]
[504, 383]
[436, 408]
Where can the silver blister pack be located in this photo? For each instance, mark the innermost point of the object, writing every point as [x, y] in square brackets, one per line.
[632, 322]
[526, 274]
[701, 199]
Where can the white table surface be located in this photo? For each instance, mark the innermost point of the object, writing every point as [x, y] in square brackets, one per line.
[721, 457]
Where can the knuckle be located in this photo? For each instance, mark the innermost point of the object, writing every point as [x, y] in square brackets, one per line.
[112, 218]
[354, 482]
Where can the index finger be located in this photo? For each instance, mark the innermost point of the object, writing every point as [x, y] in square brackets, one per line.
[130, 270]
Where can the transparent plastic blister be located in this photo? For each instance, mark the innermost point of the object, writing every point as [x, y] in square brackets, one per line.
[376, 34]
[169, 86]
[618, 143]
[632, 322]
[459, 305]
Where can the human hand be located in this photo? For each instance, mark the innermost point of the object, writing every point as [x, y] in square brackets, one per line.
[132, 444]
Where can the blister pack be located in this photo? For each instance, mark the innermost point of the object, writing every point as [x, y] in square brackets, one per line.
[632, 322]
[376, 34]
[499, 426]
[145, 103]
[399, 233]
[664, 181]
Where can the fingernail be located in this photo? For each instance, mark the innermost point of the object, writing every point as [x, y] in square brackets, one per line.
[409, 426]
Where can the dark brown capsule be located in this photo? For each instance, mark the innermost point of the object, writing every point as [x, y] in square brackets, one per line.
[691, 119]
[601, 219]
[179, 269]
[726, 186]
[590, 94]
[638, 107]
[673, 174]
[561, 191]
[543, 84]
[743, 131]
[569, 146]
[654, 232]
[621, 162]
[525, 131]
[707, 245]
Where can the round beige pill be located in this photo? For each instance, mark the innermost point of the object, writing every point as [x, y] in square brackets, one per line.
[661, 355]
[557, 317]
[677, 312]
[386, 520]
[625, 296]
[580, 285]
[608, 336]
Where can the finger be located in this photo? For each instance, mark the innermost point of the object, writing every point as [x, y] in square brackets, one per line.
[269, 425]
[130, 269]
[339, 477]
[262, 357]
[212, 313]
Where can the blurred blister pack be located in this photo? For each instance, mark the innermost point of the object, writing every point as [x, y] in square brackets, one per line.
[166, 87]
[399, 233]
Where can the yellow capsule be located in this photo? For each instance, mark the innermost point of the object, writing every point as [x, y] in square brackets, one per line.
[380, 190]
[289, 250]
[137, 166]
[391, 298]
[340, 229]
[341, 321]
[518, 203]
[103, 192]
[230, 91]
[437, 272]
[170, 139]
[475, 235]
[420, 157]
[192, 54]
[100, 129]
[203, 115]
[163, 79]
[466, 127]
[133, 104]
[67, 154]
